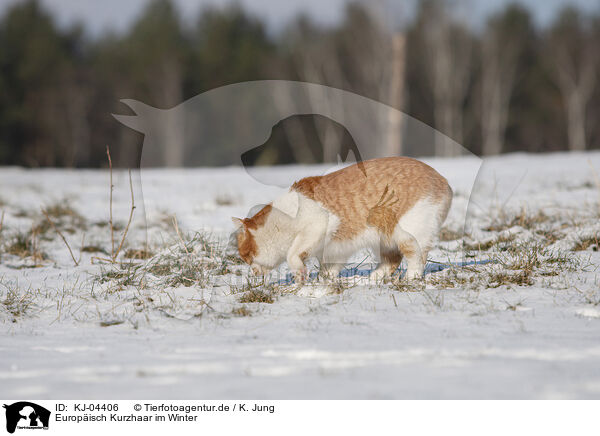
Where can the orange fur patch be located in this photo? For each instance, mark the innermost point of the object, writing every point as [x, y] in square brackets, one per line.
[392, 258]
[307, 186]
[382, 215]
[378, 194]
[259, 219]
[408, 249]
[246, 246]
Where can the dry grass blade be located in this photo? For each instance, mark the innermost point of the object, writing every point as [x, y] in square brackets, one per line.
[61, 235]
[128, 221]
[101, 259]
[81, 247]
[110, 221]
[35, 252]
[174, 218]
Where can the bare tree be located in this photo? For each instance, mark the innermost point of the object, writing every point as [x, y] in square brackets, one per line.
[155, 53]
[78, 97]
[397, 85]
[167, 91]
[365, 57]
[575, 66]
[502, 45]
[448, 51]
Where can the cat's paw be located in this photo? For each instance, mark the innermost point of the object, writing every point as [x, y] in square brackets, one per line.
[301, 275]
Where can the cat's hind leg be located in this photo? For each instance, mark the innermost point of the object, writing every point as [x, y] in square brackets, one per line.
[390, 261]
[413, 252]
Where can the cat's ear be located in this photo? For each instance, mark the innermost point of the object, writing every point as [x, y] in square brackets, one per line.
[237, 222]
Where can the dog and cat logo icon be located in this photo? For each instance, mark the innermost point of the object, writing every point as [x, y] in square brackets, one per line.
[26, 415]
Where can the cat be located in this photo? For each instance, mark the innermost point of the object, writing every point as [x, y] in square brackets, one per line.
[394, 206]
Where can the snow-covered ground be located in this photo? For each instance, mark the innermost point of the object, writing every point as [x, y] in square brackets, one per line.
[524, 325]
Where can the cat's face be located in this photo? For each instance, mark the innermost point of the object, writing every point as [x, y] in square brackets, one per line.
[254, 247]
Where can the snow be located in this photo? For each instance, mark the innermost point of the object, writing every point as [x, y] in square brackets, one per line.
[79, 338]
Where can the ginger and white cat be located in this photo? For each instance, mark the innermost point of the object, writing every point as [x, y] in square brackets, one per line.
[394, 206]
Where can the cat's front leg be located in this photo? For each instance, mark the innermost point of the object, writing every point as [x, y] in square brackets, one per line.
[295, 260]
[304, 244]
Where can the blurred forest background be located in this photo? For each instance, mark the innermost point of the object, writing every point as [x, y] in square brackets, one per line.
[504, 86]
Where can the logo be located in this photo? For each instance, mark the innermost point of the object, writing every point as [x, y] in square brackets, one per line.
[26, 415]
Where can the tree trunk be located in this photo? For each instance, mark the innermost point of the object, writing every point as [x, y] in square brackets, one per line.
[576, 121]
[395, 128]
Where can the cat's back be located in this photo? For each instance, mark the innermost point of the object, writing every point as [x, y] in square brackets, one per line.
[396, 183]
[368, 179]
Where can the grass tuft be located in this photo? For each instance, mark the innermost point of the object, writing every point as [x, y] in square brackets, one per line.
[64, 217]
[224, 199]
[16, 302]
[138, 254]
[256, 296]
[522, 219]
[339, 286]
[503, 278]
[93, 249]
[25, 245]
[501, 242]
[585, 243]
[241, 311]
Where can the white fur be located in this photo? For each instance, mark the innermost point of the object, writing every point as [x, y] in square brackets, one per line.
[287, 234]
[288, 203]
[298, 225]
[419, 228]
